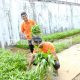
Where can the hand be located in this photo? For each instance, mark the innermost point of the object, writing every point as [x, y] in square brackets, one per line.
[22, 36]
[57, 65]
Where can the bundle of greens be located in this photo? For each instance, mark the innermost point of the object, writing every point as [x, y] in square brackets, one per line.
[38, 73]
[40, 57]
[44, 63]
[36, 30]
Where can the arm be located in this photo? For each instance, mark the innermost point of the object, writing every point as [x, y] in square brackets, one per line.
[53, 51]
[55, 56]
[41, 45]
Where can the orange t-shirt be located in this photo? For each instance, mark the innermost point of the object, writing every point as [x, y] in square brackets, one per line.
[46, 47]
[26, 28]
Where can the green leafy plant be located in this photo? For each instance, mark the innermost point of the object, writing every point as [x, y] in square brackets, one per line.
[60, 46]
[44, 61]
[12, 66]
[22, 44]
[42, 56]
[60, 35]
[36, 30]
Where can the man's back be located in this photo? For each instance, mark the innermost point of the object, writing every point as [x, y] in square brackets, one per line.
[47, 47]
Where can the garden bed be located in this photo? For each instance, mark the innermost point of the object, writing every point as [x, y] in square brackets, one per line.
[15, 66]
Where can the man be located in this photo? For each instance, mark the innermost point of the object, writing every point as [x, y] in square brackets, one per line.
[45, 47]
[26, 29]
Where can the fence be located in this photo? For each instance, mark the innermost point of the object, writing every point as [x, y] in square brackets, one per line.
[52, 17]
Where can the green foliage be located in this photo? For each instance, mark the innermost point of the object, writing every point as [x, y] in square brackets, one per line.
[76, 40]
[12, 66]
[60, 35]
[61, 46]
[37, 73]
[43, 62]
[40, 56]
[36, 30]
[22, 44]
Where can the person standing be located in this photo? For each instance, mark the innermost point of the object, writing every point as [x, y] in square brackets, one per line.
[26, 26]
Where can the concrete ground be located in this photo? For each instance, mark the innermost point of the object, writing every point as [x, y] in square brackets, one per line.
[70, 63]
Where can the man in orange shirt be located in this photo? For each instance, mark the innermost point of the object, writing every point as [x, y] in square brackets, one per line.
[46, 47]
[26, 29]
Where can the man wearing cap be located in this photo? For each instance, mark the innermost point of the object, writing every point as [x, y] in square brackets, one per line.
[45, 47]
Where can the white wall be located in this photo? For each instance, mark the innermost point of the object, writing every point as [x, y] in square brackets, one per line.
[52, 17]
